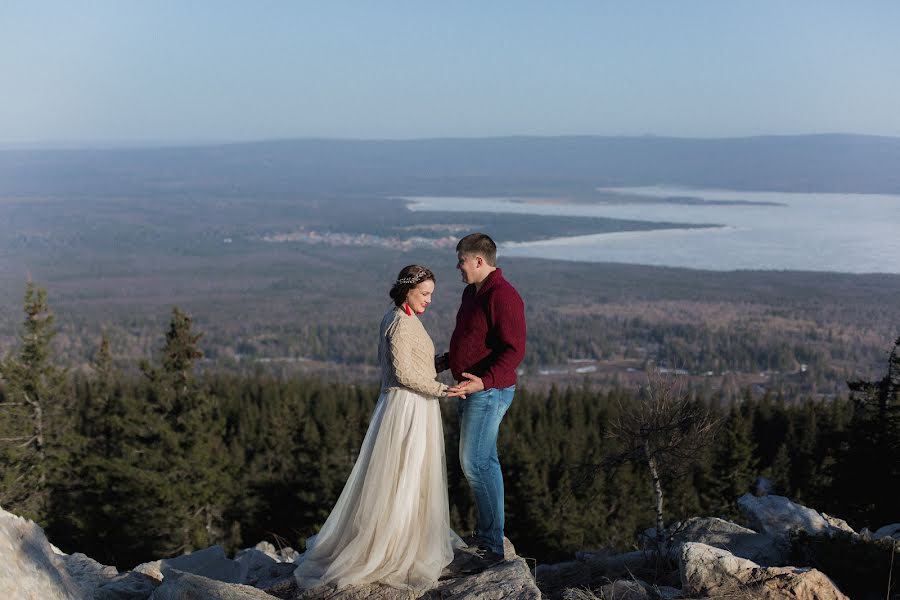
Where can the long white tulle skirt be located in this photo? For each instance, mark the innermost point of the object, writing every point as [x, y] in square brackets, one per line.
[391, 523]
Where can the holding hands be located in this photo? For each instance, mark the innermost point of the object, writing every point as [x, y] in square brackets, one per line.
[471, 385]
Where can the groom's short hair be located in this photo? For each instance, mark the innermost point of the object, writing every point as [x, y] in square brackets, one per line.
[479, 244]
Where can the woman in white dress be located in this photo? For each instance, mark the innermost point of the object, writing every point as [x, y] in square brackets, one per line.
[391, 523]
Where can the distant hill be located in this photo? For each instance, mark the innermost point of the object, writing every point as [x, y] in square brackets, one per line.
[510, 165]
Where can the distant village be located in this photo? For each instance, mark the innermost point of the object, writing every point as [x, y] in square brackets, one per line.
[363, 240]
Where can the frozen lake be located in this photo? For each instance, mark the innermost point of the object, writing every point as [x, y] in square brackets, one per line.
[853, 233]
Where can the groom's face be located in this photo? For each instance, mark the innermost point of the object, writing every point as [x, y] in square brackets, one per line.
[468, 265]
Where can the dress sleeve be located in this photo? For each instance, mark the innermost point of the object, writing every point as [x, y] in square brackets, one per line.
[410, 368]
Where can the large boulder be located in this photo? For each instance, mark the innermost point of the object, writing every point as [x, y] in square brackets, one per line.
[553, 578]
[187, 586]
[127, 586]
[277, 580]
[253, 564]
[31, 569]
[780, 518]
[888, 531]
[511, 580]
[627, 589]
[837, 524]
[210, 563]
[613, 566]
[713, 571]
[592, 569]
[150, 569]
[759, 547]
[87, 572]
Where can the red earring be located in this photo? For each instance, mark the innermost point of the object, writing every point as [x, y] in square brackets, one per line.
[408, 312]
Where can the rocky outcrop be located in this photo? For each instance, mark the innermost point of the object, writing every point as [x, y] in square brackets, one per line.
[127, 586]
[761, 548]
[838, 524]
[511, 579]
[705, 556]
[888, 531]
[627, 590]
[781, 518]
[187, 586]
[31, 568]
[713, 571]
[210, 562]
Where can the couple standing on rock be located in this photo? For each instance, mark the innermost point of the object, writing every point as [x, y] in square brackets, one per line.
[391, 523]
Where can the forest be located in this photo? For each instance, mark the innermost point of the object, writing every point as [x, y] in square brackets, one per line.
[129, 461]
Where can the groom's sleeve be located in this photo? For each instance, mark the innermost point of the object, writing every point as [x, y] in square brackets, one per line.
[508, 312]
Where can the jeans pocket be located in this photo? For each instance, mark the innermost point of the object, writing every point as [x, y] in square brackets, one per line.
[504, 400]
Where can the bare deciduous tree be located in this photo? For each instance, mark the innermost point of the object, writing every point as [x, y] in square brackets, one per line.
[664, 429]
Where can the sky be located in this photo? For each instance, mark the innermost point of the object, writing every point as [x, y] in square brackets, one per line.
[92, 72]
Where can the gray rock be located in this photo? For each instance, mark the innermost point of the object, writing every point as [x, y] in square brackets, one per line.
[210, 563]
[669, 593]
[288, 554]
[187, 586]
[511, 579]
[278, 580]
[614, 566]
[719, 533]
[554, 578]
[252, 563]
[127, 586]
[838, 524]
[86, 571]
[891, 531]
[708, 570]
[627, 589]
[779, 517]
[267, 548]
[150, 569]
[30, 568]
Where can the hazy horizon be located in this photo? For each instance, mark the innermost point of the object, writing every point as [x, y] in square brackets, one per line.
[199, 143]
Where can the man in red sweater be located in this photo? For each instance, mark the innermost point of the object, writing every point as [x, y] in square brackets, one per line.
[486, 348]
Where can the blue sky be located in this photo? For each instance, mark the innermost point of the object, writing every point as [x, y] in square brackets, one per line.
[182, 71]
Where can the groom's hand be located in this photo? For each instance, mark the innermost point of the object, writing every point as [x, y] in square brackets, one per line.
[472, 384]
[442, 362]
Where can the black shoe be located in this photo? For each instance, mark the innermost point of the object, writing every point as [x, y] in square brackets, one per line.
[473, 541]
[482, 561]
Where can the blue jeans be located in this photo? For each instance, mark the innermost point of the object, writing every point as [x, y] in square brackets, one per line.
[479, 421]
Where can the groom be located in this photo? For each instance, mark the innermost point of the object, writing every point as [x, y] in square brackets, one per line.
[487, 346]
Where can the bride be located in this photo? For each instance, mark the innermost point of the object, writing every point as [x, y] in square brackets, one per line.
[391, 523]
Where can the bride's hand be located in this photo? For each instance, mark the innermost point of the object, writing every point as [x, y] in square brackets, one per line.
[474, 384]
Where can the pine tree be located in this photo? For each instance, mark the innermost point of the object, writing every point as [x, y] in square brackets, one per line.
[781, 471]
[186, 444]
[35, 395]
[735, 463]
[867, 475]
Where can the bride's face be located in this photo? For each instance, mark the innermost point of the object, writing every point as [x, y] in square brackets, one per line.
[419, 297]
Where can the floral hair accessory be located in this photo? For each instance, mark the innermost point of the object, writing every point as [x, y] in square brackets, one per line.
[412, 279]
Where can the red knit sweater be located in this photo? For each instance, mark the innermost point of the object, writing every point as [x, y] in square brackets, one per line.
[489, 339]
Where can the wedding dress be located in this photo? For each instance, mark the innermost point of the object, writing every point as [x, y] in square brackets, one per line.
[391, 523]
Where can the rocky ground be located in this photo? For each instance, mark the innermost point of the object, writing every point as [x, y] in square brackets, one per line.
[699, 558]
